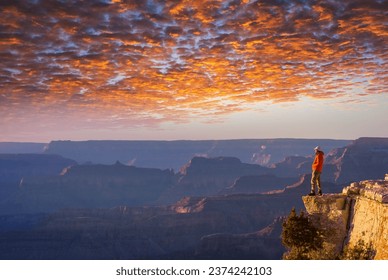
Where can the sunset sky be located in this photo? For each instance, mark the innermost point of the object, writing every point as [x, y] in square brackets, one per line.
[184, 69]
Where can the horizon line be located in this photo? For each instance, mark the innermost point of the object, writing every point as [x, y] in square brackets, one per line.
[192, 140]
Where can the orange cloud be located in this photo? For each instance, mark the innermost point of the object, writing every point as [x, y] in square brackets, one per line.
[170, 60]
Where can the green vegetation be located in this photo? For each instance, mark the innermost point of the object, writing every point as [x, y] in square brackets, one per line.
[300, 237]
[360, 251]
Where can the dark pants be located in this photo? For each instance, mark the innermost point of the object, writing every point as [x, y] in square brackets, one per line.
[316, 181]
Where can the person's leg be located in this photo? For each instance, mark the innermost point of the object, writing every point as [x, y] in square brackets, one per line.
[318, 180]
[313, 182]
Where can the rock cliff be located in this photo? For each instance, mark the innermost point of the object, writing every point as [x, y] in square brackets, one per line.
[358, 215]
[258, 184]
[263, 244]
[363, 158]
[89, 186]
[208, 176]
[15, 168]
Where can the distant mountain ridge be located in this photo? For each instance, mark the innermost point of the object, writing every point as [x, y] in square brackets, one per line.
[21, 148]
[364, 158]
[68, 184]
[14, 168]
[66, 210]
[174, 154]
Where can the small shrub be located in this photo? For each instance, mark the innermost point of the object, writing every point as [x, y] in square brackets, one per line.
[300, 237]
[360, 251]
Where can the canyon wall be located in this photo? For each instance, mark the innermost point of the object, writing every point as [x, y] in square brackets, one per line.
[358, 215]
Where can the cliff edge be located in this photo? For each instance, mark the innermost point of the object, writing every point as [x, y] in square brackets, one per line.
[356, 216]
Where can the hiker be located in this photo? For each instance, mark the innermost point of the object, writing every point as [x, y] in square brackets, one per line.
[317, 170]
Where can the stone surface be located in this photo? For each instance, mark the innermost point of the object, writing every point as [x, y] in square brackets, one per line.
[360, 213]
[370, 216]
[369, 223]
[372, 189]
[329, 213]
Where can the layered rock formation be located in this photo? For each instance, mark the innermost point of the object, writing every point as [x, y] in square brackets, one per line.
[97, 185]
[202, 176]
[359, 214]
[15, 168]
[225, 206]
[192, 228]
[133, 233]
[21, 148]
[208, 176]
[363, 158]
[174, 154]
[263, 244]
[258, 184]
[293, 166]
[369, 218]
[90, 186]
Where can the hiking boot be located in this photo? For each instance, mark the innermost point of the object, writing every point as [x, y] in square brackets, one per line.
[311, 194]
[320, 193]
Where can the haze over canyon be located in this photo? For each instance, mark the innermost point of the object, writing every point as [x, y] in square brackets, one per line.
[166, 199]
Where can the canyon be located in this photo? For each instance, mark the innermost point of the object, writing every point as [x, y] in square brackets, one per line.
[175, 154]
[221, 207]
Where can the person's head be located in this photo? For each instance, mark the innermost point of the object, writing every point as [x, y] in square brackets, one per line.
[317, 149]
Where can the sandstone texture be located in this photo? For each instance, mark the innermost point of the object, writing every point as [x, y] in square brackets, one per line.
[330, 213]
[358, 214]
[369, 217]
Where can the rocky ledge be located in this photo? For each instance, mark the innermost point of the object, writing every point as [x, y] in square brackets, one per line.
[372, 189]
[358, 214]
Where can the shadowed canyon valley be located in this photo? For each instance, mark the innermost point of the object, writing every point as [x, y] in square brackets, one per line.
[166, 199]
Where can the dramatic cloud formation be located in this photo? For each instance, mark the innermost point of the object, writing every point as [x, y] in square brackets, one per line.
[123, 63]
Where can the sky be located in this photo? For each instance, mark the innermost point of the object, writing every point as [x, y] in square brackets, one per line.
[188, 69]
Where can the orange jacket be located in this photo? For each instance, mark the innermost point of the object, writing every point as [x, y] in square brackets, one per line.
[318, 161]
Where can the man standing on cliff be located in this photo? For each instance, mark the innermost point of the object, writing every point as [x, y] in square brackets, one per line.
[317, 170]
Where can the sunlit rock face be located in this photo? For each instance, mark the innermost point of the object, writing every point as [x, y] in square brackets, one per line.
[369, 218]
[329, 213]
[360, 213]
